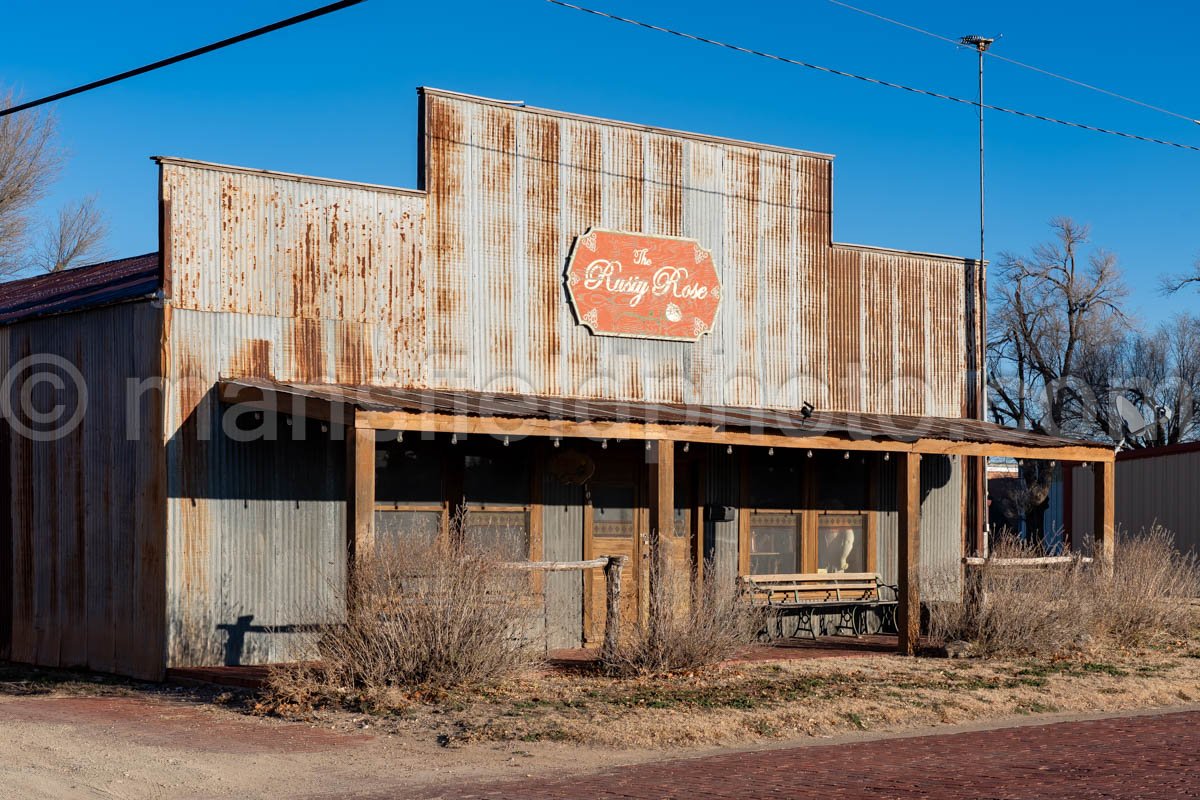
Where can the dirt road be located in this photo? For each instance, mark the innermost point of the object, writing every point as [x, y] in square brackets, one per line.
[139, 747]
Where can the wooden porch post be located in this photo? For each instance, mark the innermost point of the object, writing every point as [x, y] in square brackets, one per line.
[908, 507]
[360, 492]
[1104, 513]
[662, 520]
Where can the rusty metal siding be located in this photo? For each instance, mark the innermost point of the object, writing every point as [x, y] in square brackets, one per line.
[88, 509]
[256, 530]
[941, 526]
[845, 327]
[562, 531]
[273, 246]
[277, 278]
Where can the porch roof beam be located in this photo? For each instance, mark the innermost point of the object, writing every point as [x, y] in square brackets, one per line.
[701, 434]
[265, 399]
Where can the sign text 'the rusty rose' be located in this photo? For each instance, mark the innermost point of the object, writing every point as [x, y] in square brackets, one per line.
[646, 287]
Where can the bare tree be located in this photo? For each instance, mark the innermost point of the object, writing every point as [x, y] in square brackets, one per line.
[1159, 372]
[78, 237]
[1170, 284]
[30, 162]
[1054, 332]
[1056, 325]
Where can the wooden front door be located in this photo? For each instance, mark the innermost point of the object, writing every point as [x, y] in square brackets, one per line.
[613, 527]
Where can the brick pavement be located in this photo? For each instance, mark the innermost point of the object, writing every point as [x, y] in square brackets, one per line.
[1144, 757]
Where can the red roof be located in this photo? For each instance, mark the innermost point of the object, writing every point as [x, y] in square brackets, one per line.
[82, 287]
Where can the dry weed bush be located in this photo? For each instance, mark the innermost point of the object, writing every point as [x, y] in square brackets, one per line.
[1053, 610]
[420, 619]
[690, 624]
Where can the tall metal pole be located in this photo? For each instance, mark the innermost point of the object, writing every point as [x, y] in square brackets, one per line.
[981, 44]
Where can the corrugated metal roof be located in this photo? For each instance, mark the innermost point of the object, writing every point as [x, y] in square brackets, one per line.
[82, 287]
[851, 426]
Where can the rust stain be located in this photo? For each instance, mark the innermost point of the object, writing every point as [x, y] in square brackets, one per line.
[543, 249]
[498, 163]
[304, 350]
[353, 354]
[192, 440]
[253, 358]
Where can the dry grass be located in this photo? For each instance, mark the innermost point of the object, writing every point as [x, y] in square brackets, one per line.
[752, 702]
[1051, 611]
[420, 620]
[691, 624]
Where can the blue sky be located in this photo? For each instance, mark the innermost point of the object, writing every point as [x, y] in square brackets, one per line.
[335, 97]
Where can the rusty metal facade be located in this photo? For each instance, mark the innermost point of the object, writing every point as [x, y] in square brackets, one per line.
[86, 510]
[844, 327]
[236, 548]
[272, 276]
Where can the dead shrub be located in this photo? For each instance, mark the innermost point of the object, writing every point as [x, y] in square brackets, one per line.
[420, 620]
[690, 624]
[1150, 591]
[1054, 610]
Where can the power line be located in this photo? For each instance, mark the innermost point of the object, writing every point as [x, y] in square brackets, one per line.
[199, 51]
[1021, 64]
[876, 81]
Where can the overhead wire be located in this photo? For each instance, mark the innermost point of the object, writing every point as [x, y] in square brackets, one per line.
[166, 62]
[1022, 64]
[875, 81]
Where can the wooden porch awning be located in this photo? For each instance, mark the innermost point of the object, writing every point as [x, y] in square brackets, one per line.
[381, 408]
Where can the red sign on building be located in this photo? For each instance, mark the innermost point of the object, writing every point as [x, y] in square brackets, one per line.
[646, 287]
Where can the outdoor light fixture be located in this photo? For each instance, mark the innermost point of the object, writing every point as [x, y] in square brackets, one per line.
[806, 409]
[647, 444]
[686, 445]
[454, 438]
[506, 441]
[770, 451]
[324, 429]
[399, 436]
[887, 456]
[289, 422]
[729, 450]
[810, 453]
[604, 444]
[846, 457]
[557, 442]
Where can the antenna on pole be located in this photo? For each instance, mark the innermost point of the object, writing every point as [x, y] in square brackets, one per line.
[981, 44]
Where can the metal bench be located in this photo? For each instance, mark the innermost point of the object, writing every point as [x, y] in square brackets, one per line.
[850, 595]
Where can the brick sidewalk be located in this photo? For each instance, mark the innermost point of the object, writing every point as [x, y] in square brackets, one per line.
[1129, 757]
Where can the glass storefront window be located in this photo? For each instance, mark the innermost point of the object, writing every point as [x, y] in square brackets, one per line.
[502, 534]
[841, 542]
[394, 529]
[613, 508]
[774, 544]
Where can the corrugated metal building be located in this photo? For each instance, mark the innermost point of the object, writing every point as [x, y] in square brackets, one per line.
[1155, 486]
[242, 389]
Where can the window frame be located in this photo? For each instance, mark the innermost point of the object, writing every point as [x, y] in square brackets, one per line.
[809, 512]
